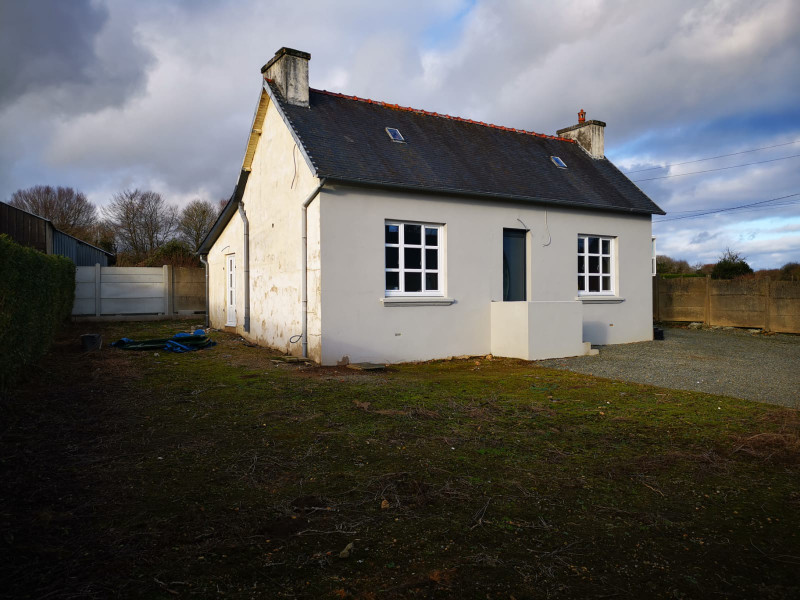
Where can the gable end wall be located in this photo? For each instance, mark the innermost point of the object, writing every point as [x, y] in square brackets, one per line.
[279, 182]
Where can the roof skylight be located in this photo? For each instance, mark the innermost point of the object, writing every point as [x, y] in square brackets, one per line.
[558, 162]
[395, 134]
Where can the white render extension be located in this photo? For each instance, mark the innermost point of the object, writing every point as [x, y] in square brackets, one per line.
[347, 245]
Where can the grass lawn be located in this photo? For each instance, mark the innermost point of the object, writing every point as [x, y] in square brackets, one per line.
[221, 474]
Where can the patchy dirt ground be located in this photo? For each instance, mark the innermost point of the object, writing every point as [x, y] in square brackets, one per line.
[221, 474]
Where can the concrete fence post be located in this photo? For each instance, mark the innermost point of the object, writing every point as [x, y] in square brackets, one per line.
[767, 303]
[165, 281]
[707, 304]
[97, 297]
[171, 274]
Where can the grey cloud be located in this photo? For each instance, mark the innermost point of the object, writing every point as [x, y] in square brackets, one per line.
[72, 51]
[634, 65]
[702, 237]
[159, 93]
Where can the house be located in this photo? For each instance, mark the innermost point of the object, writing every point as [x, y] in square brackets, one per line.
[366, 231]
[28, 229]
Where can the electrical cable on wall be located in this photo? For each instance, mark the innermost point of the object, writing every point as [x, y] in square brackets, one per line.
[547, 229]
[294, 160]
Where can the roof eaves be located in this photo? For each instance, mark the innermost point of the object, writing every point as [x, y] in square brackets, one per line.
[226, 215]
[255, 131]
[485, 195]
[660, 210]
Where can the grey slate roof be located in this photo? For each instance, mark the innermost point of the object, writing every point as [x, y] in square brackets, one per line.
[345, 140]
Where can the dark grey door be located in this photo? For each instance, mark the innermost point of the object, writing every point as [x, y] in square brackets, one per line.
[514, 267]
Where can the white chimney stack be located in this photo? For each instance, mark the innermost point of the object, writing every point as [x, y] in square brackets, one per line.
[288, 69]
[590, 135]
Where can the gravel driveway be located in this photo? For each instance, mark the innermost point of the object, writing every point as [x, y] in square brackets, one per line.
[731, 362]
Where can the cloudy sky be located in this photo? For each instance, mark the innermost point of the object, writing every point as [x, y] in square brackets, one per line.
[104, 95]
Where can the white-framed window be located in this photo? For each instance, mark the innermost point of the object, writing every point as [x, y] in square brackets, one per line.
[413, 259]
[596, 265]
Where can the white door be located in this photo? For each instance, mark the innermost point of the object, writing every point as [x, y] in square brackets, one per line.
[230, 284]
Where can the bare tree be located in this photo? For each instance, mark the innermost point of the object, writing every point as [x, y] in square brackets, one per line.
[197, 218]
[69, 210]
[142, 222]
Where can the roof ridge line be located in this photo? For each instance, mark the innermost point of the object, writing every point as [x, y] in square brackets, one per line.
[443, 116]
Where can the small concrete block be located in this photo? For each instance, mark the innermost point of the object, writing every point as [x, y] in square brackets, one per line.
[365, 366]
[593, 352]
[291, 359]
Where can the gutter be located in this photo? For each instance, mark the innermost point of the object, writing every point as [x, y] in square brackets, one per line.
[246, 260]
[205, 264]
[304, 264]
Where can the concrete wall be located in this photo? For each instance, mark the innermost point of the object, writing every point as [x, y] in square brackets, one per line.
[277, 186]
[163, 290]
[189, 290]
[359, 326]
[537, 330]
[769, 305]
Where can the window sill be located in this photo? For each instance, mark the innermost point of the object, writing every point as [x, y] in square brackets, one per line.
[417, 301]
[600, 299]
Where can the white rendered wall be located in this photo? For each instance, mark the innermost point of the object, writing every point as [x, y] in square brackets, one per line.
[278, 184]
[359, 327]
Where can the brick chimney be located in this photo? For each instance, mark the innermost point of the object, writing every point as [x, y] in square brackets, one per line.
[289, 70]
[590, 135]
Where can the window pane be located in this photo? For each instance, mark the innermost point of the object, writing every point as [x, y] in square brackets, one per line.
[580, 244]
[392, 234]
[432, 282]
[413, 258]
[606, 265]
[594, 245]
[392, 281]
[594, 284]
[431, 236]
[413, 282]
[594, 264]
[392, 257]
[580, 284]
[606, 284]
[412, 234]
[580, 264]
[431, 259]
[606, 246]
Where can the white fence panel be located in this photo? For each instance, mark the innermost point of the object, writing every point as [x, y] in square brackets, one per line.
[101, 291]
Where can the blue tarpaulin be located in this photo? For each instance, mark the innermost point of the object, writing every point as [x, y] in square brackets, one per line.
[180, 342]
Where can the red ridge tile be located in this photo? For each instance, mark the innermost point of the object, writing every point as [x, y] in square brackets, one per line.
[443, 116]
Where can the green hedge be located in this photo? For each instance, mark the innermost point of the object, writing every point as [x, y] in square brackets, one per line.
[36, 296]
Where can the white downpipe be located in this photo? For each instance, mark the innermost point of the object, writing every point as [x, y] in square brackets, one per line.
[205, 264]
[246, 261]
[304, 265]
